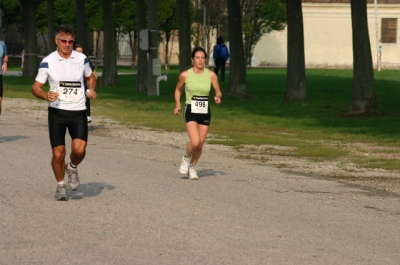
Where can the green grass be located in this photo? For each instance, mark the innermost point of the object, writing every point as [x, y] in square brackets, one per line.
[317, 129]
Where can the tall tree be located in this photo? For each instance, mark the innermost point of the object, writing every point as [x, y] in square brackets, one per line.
[1, 21]
[50, 25]
[142, 67]
[185, 49]
[94, 21]
[209, 22]
[81, 23]
[260, 17]
[167, 24]
[31, 56]
[296, 74]
[12, 14]
[237, 64]
[363, 101]
[110, 74]
[126, 25]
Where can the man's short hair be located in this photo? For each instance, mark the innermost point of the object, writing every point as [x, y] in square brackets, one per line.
[66, 29]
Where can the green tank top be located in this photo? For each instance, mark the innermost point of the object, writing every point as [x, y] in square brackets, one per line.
[197, 84]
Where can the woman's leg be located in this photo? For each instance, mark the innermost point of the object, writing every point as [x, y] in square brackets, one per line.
[197, 136]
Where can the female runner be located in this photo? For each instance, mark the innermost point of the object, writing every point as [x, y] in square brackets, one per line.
[197, 114]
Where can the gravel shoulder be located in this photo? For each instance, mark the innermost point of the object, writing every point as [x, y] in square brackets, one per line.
[382, 181]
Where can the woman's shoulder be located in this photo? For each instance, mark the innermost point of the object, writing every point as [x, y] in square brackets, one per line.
[211, 73]
[184, 74]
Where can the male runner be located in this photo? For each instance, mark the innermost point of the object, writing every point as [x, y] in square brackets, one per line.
[65, 69]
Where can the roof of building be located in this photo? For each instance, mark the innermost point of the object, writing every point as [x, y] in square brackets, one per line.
[348, 1]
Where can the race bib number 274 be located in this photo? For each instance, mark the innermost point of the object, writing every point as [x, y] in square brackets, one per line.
[68, 91]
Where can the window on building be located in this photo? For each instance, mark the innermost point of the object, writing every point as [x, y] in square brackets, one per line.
[389, 30]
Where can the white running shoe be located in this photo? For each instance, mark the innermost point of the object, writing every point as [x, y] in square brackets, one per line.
[183, 169]
[73, 179]
[61, 193]
[192, 173]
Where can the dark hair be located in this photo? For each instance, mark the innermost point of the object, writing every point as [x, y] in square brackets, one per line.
[220, 40]
[67, 29]
[198, 49]
[80, 46]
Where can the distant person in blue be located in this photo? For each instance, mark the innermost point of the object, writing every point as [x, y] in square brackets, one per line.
[220, 55]
[4, 62]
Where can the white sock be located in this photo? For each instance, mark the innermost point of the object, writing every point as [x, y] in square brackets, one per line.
[72, 165]
[60, 183]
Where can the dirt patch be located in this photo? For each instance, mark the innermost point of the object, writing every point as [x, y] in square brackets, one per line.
[276, 156]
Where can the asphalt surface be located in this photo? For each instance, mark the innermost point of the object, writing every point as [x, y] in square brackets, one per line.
[133, 207]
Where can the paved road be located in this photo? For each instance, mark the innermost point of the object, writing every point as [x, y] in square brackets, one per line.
[134, 208]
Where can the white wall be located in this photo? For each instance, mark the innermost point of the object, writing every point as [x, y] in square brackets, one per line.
[328, 38]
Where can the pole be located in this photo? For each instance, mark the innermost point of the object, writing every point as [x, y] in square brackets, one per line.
[204, 27]
[153, 48]
[378, 57]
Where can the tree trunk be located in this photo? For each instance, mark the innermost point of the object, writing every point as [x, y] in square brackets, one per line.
[185, 50]
[1, 21]
[153, 48]
[31, 56]
[296, 74]
[81, 24]
[132, 45]
[142, 67]
[363, 100]
[237, 63]
[110, 75]
[50, 26]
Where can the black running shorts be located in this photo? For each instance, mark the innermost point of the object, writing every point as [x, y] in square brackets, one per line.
[203, 119]
[59, 120]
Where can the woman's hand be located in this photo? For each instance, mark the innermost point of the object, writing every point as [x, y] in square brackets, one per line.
[217, 100]
[177, 110]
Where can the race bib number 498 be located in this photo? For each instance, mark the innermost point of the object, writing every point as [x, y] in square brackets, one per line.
[69, 91]
[199, 104]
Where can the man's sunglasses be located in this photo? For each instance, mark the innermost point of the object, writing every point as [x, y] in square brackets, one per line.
[66, 41]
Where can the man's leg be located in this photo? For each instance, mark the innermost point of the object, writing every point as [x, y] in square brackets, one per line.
[1, 91]
[58, 165]
[78, 151]
[58, 162]
[88, 114]
[217, 65]
[223, 71]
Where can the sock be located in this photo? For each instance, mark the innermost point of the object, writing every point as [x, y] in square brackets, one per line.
[72, 165]
[61, 183]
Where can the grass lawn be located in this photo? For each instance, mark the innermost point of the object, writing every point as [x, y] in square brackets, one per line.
[317, 129]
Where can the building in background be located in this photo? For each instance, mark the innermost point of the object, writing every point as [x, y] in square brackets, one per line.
[327, 37]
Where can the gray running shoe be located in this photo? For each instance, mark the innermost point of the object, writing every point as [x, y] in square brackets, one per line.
[183, 169]
[73, 180]
[192, 173]
[61, 193]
